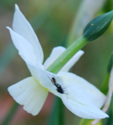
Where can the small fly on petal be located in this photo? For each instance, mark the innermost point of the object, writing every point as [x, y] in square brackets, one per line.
[59, 88]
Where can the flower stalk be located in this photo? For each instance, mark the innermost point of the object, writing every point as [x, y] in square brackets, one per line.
[67, 55]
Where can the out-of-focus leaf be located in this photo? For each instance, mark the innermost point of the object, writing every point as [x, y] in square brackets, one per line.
[41, 15]
[108, 5]
[8, 3]
[7, 55]
[88, 122]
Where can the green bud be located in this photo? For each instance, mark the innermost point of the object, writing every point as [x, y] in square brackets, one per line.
[110, 64]
[98, 26]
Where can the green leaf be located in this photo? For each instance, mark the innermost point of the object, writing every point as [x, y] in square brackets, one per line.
[98, 26]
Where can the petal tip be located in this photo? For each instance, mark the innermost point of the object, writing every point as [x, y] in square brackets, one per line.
[107, 116]
[104, 115]
[82, 52]
[30, 111]
[8, 89]
[8, 27]
[16, 7]
[10, 30]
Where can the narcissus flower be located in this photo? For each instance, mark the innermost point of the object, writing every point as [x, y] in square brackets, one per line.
[78, 95]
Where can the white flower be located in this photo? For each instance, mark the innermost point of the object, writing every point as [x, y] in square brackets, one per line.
[78, 95]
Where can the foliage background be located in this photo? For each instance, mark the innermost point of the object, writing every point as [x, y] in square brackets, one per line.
[52, 21]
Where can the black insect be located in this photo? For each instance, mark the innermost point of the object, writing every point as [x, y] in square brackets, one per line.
[59, 88]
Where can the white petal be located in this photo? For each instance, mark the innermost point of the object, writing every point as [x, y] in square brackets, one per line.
[83, 110]
[56, 52]
[23, 27]
[42, 75]
[83, 99]
[82, 87]
[45, 79]
[25, 49]
[29, 93]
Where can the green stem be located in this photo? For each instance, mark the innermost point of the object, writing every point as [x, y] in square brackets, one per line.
[57, 115]
[67, 55]
[61, 113]
[10, 114]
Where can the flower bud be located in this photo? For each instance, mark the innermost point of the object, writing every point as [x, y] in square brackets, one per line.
[98, 26]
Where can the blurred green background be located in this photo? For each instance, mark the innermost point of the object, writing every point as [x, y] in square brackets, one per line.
[53, 22]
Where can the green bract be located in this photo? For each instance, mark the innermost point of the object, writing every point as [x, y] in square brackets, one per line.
[98, 26]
